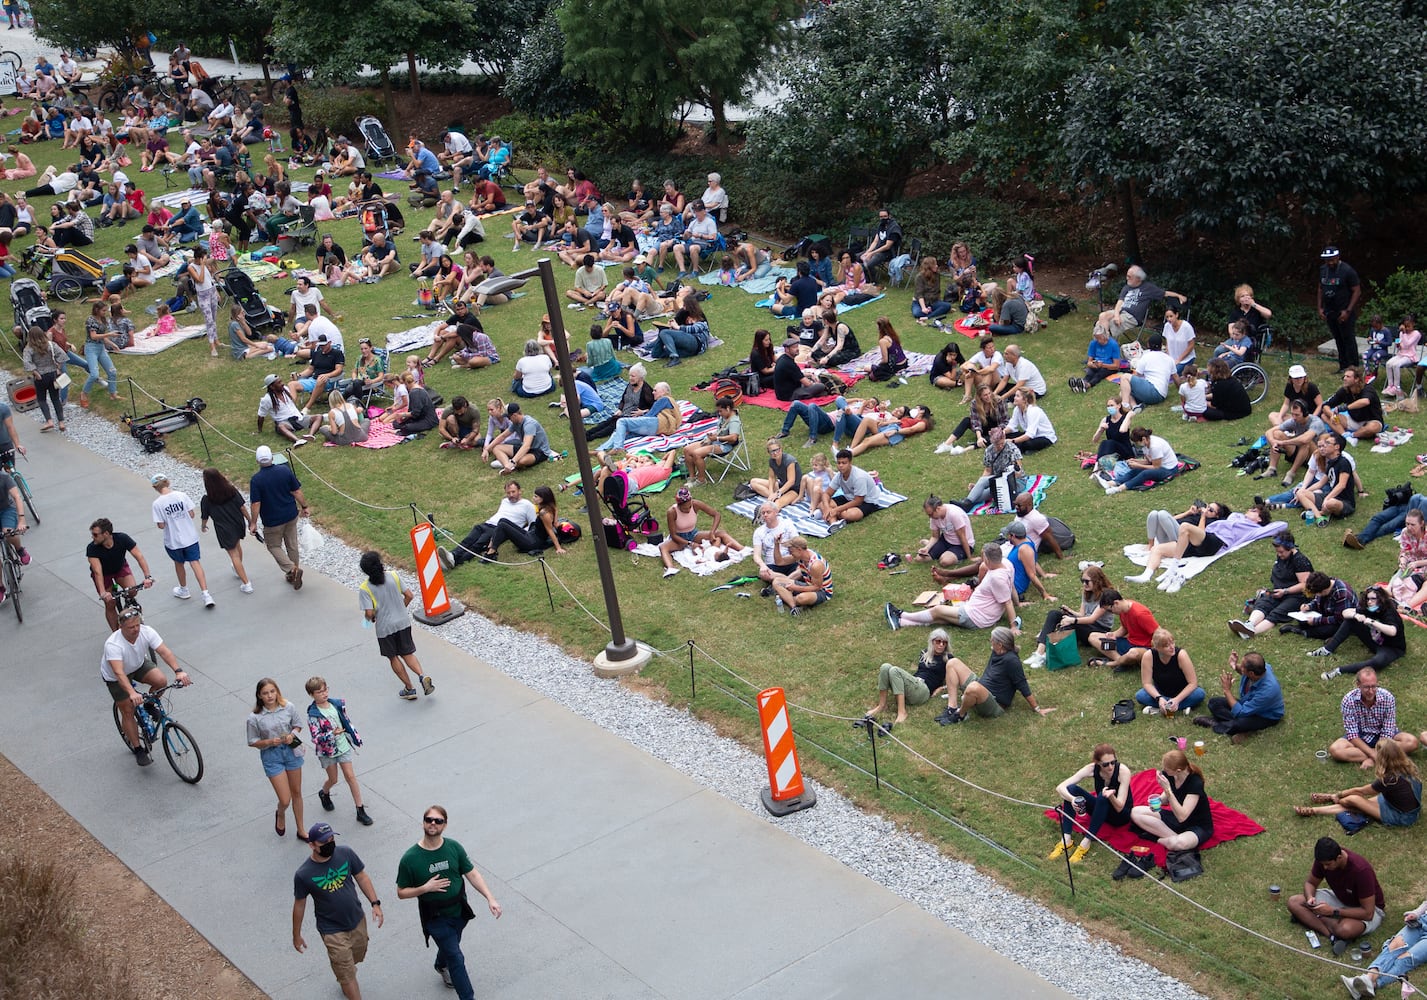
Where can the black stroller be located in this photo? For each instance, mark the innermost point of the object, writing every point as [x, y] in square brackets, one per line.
[240, 288]
[29, 305]
[630, 521]
[378, 143]
[379, 216]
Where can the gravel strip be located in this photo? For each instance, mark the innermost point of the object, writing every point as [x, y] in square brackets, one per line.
[952, 891]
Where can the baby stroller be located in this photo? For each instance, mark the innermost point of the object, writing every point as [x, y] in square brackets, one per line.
[74, 273]
[29, 305]
[379, 144]
[630, 522]
[380, 217]
[256, 311]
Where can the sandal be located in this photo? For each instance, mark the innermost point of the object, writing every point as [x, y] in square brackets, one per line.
[1322, 798]
[1304, 811]
[1097, 661]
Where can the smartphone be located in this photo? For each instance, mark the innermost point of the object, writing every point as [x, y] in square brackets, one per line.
[1107, 644]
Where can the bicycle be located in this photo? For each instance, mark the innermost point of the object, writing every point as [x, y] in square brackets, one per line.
[156, 725]
[228, 88]
[11, 571]
[7, 464]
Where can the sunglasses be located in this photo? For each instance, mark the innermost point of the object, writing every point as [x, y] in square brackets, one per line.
[433, 819]
[1086, 580]
[1109, 763]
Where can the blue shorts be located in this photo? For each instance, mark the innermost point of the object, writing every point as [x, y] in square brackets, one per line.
[687, 536]
[308, 384]
[187, 554]
[278, 759]
[1391, 816]
[10, 517]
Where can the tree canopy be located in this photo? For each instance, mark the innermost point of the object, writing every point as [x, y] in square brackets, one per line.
[870, 94]
[655, 55]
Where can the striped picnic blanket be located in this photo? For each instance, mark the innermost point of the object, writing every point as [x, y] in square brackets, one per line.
[917, 363]
[687, 434]
[1035, 485]
[802, 516]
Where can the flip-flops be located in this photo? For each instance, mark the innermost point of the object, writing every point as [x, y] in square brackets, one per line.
[1097, 661]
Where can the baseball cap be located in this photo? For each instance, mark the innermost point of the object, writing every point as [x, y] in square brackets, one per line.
[641, 259]
[269, 380]
[1016, 529]
[1329, 251]
[322, 338]
[320, 833]
[264, 455]
[156, 478]
[1297, 371]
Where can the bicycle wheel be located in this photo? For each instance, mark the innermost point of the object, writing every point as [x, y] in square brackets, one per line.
[12, 587]
[182, 752]
[67, 288]
[13, 58]
[29, 497]
[1254, 380]
[241, 98]
[109, 100]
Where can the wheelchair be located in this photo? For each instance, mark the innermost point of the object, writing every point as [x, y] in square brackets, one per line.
[1250, 374]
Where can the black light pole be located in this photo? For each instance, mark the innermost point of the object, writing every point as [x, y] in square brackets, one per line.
[621, 650]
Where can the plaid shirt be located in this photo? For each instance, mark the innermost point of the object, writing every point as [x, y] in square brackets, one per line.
[1333, 602]
[999, 462]
[1380, 720]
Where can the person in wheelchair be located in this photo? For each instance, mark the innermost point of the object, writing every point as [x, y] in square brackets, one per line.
[1240, 345]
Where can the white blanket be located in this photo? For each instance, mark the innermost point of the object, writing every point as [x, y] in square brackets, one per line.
[698, 565]
[1192, 566]
[146, 343]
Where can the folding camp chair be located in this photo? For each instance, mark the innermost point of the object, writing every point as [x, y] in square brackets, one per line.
[735, 459]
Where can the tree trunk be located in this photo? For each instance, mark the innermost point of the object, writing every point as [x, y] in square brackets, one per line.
[720, 121]
[413, 78]
[389, 100]
[1127, 219]
[267, 80]
[894, 184]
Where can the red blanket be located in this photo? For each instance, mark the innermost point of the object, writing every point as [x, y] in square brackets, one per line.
[1229, 824]
[772, 402]
[975, 332]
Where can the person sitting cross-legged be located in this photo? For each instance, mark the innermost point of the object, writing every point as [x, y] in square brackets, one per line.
[1108, 800]
[683, 523]
[1257, 705]
[1349, 906]
[809, 585]
[1168, 682]
[1369, 717]
[1130, 640]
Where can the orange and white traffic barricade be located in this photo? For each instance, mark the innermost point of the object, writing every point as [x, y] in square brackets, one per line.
[785, 792]
[437, 608]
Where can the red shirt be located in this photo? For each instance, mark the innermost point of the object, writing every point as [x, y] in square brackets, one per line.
[1139, 624]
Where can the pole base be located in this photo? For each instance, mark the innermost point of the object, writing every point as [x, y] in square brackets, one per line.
[456, 610]
[787, 807]
[615, 661]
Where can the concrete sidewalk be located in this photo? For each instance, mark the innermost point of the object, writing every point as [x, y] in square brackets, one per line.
[620, 877]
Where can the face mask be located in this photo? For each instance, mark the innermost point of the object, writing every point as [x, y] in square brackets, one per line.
[1112, 411]
[1372, 607]
[325, 850]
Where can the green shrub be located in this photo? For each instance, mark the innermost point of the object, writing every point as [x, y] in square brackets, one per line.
[579, 138]
[337, 109]
[994, 230]
[1403, 292]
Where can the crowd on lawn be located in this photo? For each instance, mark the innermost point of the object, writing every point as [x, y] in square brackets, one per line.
[1144, 341]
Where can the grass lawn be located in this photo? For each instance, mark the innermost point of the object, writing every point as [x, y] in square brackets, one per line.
[827, 658]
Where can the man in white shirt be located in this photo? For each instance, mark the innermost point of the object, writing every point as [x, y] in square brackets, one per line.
[1017, 372]
[314, 326]
[221, 116]
[477, 544]
[1150, 383]
[770, 545]
[346, 158]
[984, 367]
[304, 293]
[699, 239]
[176, 515]
[128, 660]
[1037, 524]
[68, 69]
[455, 155]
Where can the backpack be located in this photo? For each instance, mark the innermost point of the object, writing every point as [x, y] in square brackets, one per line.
[834, 385]
[1064, 537]
[728, 388]
[1123, 712]
[1060, 306]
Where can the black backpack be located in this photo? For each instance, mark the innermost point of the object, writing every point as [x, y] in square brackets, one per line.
[1123, 712]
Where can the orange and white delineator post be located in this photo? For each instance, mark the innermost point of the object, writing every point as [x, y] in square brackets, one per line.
[436, 605]
[785, 792]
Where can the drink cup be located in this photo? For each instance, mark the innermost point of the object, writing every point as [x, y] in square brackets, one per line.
[1080, 805]
[1199, 748]
[1181, 741]
[1273, 892]
[1155, 802]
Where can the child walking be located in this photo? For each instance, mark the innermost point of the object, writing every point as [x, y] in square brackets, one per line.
[335, 739]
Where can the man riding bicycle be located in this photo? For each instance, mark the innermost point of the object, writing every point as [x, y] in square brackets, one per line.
[106, 553]
[128, 660]
[12, 519]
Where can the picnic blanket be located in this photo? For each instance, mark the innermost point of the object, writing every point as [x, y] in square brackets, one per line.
[1229, 824]
[574, 479]
[1191, 566]
[177, 260]
[802, 515]
[754, 286]
[687, 434]
[1389, 438]
[1035, 485]
[963, 327]
[146, 343]
[393, 175]
[843, 307]
[917, 363]
[651, 337]
[685, 557]
[199, 196]
[414, 339]
[257, 270]
[379, 435]
[611, 393]
[768, 399]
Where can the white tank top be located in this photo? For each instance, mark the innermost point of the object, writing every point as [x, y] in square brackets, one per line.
[204, 281]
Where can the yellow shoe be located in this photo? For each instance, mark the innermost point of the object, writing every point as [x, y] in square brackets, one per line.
[1078, 855]
[1060, 849]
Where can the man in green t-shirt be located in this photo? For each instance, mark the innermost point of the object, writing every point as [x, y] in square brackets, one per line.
[431, 871]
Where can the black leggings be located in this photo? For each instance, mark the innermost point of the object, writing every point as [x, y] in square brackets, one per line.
[1034, 444]
[526, 540]
[1382, 655]
[1052, 624]
[1213, 414]
[48, 395]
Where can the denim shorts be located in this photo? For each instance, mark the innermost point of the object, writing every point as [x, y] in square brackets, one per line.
[279, 759]
[1395, 817]
[187, 554]
[341, 758]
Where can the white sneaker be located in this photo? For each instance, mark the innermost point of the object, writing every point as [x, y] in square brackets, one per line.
[1175, 582]
[1149, 710]
[960, 449]
[496, 465]
[670, 571]
[246, 588]
[943, 448]
[208, 601]
[181, 593]
[1035, 661]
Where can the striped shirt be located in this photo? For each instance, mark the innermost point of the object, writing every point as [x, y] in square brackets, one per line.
[827, 571]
